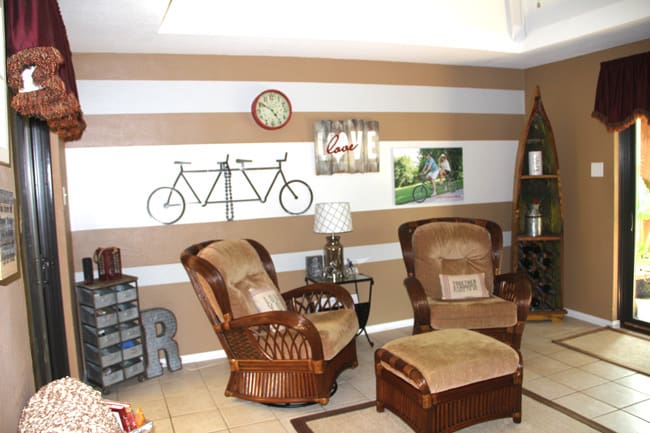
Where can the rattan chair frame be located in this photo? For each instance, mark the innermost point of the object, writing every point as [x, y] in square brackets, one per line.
[514, 287]
[275, 357]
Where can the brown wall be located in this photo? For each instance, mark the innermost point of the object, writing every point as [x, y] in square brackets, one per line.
[16, 374]
[590, 207]
[155, 244]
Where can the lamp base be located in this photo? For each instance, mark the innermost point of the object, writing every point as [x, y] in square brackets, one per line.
[333, 258]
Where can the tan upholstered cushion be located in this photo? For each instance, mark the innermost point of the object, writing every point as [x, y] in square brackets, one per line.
[492, 312]
[453, 358]
[336, 329]
[452, 248]
[241, 269]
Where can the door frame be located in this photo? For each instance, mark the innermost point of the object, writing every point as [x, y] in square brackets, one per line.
[627, 230]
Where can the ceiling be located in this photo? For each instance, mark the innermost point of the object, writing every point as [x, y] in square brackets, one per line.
[499, 33]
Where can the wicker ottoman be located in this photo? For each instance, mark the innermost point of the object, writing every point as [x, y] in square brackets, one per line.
[446, 380]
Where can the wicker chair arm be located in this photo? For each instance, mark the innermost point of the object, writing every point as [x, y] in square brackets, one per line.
[383, 355]
[419, 302]
[515, 287]
[274, 335]
[318, 297]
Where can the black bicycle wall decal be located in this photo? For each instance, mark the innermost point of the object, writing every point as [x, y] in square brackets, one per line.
[166, 204]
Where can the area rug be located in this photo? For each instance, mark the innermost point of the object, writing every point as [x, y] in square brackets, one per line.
[616, 346]
[539, 415]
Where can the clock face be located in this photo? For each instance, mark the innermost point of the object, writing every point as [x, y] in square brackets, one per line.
[271, 109]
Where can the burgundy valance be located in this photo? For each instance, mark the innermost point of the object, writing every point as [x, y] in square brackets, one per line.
[623, 91]
[36, 37]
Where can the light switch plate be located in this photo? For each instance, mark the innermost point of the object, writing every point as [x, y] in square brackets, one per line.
[597, 169]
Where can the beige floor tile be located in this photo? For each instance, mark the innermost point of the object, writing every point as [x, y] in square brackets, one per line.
[244, 413]
[642, 410]
[200, 422]
[542, 347]
[274, 426]
[153, 409]
[548, 388]
[288, 413]
[346, 395]
[194, 395]
[607, 370]
[142, 391]
[163, 426]
[545, 366]
[637, 381]
[623, 422]
[577, 379]
[189, 403]
[180, 387]
[616, 395]
[585, 405]
[367, 387]
[573, 358]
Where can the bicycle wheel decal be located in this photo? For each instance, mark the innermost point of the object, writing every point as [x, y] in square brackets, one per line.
[420, 193]
[166, 205]
[296, 197]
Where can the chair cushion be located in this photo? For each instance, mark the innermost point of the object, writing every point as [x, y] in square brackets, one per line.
[452, 358]
[336, 329]
[492, 312]
[241, 268]
[452, 248]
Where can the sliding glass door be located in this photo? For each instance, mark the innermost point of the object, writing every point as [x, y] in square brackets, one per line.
[634, 227]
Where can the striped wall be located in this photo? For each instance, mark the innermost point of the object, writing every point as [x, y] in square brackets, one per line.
[146, 111]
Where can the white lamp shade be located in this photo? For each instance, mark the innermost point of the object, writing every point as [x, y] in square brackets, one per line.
[332, 218]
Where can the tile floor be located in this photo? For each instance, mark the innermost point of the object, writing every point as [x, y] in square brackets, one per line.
[191, 400]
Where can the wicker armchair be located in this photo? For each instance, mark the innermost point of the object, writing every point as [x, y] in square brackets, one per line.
[289, 355]
[460, 246]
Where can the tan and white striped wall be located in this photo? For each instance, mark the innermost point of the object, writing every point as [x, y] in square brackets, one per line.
[146, 111]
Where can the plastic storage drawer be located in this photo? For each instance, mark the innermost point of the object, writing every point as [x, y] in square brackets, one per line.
[103, 357]
[125, 293]
[97, 298]
[127, 312]
[133, 367]
[104, 376]
[129, 330]
[100, 318]
[101, 337]
[131, 351]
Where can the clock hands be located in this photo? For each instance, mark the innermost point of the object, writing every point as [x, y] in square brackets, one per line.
[262, 104]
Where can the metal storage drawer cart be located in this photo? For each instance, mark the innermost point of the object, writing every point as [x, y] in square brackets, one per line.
[109, 321]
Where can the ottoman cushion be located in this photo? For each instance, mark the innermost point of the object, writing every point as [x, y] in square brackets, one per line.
[451, 358]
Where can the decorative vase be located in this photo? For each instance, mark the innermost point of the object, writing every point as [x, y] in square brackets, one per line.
[534, 220]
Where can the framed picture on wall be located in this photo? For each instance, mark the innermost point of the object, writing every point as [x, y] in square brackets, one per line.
[8, 246]
[428, 175]
[314, 266]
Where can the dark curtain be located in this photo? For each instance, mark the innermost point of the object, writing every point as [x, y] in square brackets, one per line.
[623, 91]
[36, 36]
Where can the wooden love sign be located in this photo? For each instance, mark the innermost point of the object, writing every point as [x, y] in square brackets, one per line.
[346, 146]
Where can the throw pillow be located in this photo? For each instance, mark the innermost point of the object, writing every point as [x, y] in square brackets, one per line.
[267, 299]
[469, 286]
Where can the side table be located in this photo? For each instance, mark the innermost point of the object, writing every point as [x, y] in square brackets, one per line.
[362, 308]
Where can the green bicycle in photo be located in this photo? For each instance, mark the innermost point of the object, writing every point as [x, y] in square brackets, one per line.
[424, 190]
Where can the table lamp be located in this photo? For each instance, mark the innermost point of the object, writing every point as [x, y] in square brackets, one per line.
[333, 218]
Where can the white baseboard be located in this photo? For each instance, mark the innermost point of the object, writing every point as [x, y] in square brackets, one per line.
[593, 319]
[220, 354]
